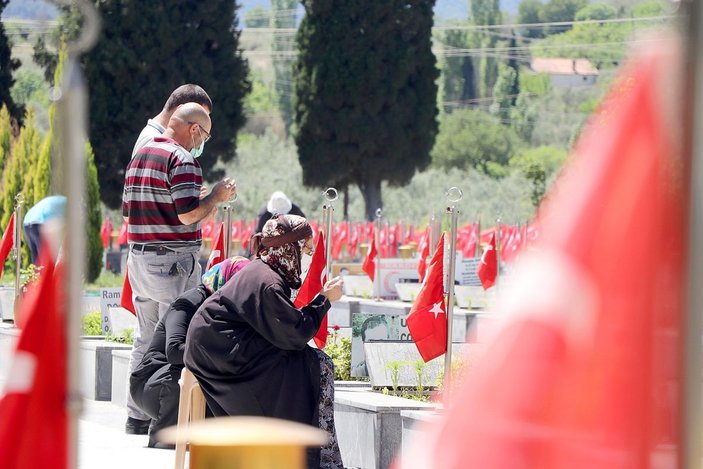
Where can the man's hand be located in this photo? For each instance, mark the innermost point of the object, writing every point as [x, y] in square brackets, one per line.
[224, 190]
[333, 289]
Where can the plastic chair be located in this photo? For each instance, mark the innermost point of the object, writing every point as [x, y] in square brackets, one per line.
[191, 407]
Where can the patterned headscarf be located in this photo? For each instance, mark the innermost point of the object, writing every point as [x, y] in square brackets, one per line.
[280, 244]
[220, 273]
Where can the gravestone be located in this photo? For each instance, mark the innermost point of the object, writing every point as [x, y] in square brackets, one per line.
[382, 357]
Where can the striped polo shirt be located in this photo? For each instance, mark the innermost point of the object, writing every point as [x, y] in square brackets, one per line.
[162, 181]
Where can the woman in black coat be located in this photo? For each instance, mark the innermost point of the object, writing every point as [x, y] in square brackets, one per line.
[154, 382]
[247, 344]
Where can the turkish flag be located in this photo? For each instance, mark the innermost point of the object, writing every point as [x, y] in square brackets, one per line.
[586, 370]
[217, 253]
[423, 251]
[427, 320]
[7, 242]
[312, 285]
[34, 419]
[487, 269]
[126, 297]
[369, 264]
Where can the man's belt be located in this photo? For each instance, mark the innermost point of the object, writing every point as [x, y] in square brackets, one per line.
[159, 249]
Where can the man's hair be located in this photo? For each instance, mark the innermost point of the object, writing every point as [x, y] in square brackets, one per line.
[188, 94]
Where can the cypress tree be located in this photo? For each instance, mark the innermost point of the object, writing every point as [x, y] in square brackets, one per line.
[7, 66]
[93, 218]
[146, 50]
[366, 93]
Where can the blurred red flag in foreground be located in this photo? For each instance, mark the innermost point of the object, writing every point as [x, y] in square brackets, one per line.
[427, 320]
[584, 374]
[33, 417]
[312, 285]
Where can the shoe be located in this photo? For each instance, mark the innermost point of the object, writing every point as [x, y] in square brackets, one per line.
[136, 427]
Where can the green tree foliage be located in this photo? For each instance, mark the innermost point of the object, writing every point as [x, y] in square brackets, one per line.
[45, 53]
[560, 10]
[524, 114]
[7, 66]
[29, 88]
[15, 179]
[486, 12]
[504, 93]
[530, 12]
[146, 50]
[283, 16]
[474, 139]
[596, 11]
[5, 138]
[93, 218]
[366, 93]
[458, 84]
[539, 165]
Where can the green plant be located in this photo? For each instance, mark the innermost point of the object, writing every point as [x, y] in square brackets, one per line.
[339, 350]
[394, 367]
[29, 275]
[127, 337]
[419, 370]
[92, 324]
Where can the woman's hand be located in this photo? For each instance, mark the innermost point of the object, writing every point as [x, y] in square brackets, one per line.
[333, 289]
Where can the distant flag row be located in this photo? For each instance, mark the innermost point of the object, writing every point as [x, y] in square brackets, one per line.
[348, 236]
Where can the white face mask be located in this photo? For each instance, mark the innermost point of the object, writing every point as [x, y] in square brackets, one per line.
[196, 152]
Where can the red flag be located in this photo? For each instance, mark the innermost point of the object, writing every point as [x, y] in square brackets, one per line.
[423, 251]
[106, 232]
[217, 253]
[312, 285]
[488, 267]
[427, 320]
[587, 372]
[7, 242]
[126, 297]
[369, 264]
[34, 423]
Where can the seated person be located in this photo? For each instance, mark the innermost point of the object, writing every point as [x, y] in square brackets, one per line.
[278, 204]
[247, 344]
[154, 382]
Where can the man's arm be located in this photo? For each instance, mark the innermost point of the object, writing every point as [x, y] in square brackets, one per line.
[222, 192]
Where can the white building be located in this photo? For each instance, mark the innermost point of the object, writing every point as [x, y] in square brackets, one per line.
[566, 73]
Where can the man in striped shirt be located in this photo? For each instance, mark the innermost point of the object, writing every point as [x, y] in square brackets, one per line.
[162, 206]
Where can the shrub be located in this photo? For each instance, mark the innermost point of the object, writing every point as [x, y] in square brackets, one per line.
[92, 324]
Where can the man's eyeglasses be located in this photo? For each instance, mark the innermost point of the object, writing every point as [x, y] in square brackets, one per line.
[207, 134]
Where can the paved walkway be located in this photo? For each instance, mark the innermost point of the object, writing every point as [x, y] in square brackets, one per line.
[103, 444]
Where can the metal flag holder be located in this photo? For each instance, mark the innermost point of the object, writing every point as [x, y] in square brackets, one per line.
[330, 194]
[453, 195]
[71, 98]
[377, 263]
[228, 226]
[17, 250]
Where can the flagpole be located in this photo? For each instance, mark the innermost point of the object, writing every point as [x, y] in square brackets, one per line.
[377, 264]
[432, 237]
[690, 453]
[477, 247]
[228, 229]
[331, 194]
[454, 195]
[19, 198]
[72, 120]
